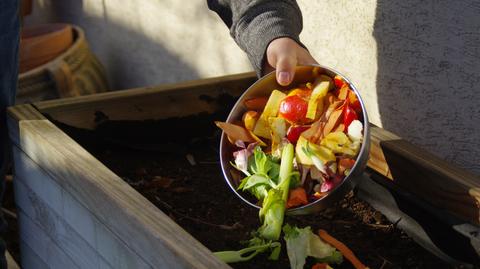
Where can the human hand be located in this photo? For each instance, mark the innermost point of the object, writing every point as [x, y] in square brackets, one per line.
[283, 54]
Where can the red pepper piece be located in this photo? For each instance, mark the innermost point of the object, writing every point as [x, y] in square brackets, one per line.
[295, 131]
[338, 82]
[349, 115]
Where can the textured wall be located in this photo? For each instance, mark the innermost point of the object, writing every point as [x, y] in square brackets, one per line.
[415, 62]
[148, 42]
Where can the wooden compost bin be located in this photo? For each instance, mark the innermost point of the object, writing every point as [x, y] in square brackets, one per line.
[76, 213]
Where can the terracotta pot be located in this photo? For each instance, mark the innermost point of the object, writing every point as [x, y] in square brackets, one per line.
[74, 72]
[42, 43]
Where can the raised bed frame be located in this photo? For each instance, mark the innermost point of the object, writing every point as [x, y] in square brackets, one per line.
[76, 213]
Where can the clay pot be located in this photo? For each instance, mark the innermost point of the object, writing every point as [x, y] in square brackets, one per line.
[74, 72]
[42, 43]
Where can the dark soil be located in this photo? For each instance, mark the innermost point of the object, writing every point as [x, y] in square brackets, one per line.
[181, 175]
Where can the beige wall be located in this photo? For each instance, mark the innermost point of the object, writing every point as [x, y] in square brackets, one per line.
[415, 62]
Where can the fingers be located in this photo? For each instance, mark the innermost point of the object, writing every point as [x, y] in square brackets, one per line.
[284, 54]
[285, 68]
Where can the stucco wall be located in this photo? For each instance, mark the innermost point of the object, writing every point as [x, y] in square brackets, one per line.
[415, 62]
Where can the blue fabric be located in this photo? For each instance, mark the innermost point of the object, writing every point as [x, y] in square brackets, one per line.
[9, 40]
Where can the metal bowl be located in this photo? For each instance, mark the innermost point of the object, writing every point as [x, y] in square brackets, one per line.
[264, 87]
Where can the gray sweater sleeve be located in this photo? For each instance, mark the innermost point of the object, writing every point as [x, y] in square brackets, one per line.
[255, 23]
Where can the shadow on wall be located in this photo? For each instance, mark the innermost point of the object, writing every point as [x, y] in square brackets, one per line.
[428, 78]
[131, 58]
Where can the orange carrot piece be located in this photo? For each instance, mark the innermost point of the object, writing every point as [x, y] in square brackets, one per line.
[346, 252]
[256, 103]
[235, 132]
[345, 163]
[297, 197]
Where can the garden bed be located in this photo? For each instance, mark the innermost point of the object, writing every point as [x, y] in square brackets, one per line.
[179, 172]
[145, 204]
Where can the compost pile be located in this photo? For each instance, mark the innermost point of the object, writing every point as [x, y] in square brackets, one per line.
[178, 170]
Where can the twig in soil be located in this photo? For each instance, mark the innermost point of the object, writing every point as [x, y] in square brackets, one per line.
[385, 262]
[235, 226]
[191, 159]
[9, 213]
[380, 226]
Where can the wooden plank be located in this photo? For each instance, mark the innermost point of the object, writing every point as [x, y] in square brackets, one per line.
[169, 100]
[11, 263]
[69, 215]
[55, 228]
[377, 160]
[36, 239]
[30, 259]
[24, 112]
[160, 241]
[428, 177]
[33, 177]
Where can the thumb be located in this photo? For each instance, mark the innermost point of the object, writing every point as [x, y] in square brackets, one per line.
[285, 69]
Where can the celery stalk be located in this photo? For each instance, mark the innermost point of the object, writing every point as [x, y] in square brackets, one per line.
[273, 207]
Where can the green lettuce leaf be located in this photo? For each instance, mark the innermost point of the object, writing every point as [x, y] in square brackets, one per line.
[302, 243]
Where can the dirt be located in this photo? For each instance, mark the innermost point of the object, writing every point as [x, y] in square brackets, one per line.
[178, 170]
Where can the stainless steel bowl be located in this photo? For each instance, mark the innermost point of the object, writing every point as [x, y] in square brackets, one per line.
[264, 87]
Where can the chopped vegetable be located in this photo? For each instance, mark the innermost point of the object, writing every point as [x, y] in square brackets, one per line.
[320, 90]
[294, 109]
[263, 173]
[241, 156]
[347, 253]
[345, 164]
[343, 92]
[271, 110]
[278, 127]
[333, 121]
[300, 153]
[303, 243]
[294, 132]
[235, 132]
[256, 103]
[273, 207]
[301, 92]
[247, 253]
[349, 115]
[339, 142]
[336, 258]
[354, 102]
[250, 119]
[297, 197]
[338, 82]
[355, 130]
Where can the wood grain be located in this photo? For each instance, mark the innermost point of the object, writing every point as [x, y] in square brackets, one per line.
[145, 229]
[146, 103]
[48, 252]
[41, 198]
[428, 177]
